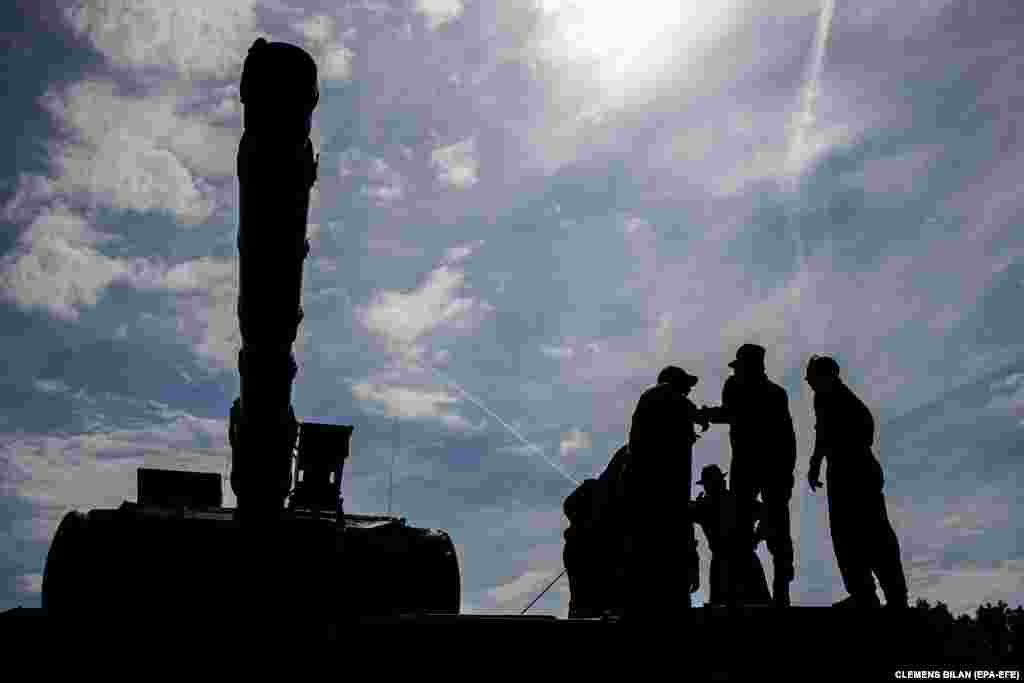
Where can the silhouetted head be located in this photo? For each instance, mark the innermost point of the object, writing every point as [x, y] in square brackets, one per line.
[712, 478]
[822, 372]
[677, 378]
[749, 361]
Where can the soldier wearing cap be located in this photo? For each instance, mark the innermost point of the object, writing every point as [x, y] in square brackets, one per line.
[763, 445]
[736, 572]
[661, 438]
[862, 536]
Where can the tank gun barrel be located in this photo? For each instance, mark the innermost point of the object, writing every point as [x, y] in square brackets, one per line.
[276, 172]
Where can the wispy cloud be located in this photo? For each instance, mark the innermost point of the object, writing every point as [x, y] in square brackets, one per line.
[457, 165]
[412, 403]
[404, 317]
[438, 12]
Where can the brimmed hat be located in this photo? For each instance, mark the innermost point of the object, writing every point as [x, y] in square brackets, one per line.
[749, 355]
[677, 376]
[711, 473]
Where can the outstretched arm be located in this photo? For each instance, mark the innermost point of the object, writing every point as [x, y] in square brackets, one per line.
[720, 414]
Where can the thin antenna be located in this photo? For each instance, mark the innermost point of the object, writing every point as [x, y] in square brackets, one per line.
[391, 474]
[560, 575]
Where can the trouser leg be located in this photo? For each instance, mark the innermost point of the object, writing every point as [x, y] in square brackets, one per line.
[757, 584]
[887, 562]
[744, 487]
[853, 555]
[779, 539]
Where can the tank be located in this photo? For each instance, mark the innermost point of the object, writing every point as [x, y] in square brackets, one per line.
[288, 546]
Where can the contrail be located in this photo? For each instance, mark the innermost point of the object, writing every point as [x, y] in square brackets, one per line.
[804, 118]
[479, 404]
[801, 124]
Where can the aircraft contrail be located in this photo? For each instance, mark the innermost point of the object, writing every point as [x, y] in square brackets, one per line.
[804, 119]
[479, 404]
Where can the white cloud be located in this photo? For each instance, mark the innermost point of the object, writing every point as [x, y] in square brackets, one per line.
[139, 153]
[438, 12]
[206, 307]
[336, 63]
[334, 60]
[457, 165]
[404, 317]
[84, 471]
[413, 402]
[317, 29]
[399, 401]
[55, 266]
[460, 253]
[384, 183]
[574, 440]
[197, 38]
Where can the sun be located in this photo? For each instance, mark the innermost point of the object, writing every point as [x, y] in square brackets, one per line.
[628, 38]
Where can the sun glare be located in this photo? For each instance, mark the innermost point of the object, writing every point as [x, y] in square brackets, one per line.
[634, 38]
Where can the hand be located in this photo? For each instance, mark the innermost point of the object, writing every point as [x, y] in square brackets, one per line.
[813, 481]
[702, 418]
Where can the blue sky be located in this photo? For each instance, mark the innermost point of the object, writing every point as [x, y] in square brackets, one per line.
[524, 211]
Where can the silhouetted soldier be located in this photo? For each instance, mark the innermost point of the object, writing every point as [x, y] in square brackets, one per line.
[580, 557]
[862, 537]
[736, 572]
[763, 457]
[661, 438]
[594, 554]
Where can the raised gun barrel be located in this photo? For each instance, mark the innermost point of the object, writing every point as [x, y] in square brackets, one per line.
[276, 172]
[310, 560]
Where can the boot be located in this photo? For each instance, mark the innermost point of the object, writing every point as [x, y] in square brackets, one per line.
[866, 600]
[896, 602]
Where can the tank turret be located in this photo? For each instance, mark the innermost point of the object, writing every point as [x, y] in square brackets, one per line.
[289, 546]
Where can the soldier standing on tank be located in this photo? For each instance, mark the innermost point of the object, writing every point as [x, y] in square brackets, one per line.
[661, 438]
[736, 575]
[595, 541]
[862, 536]
[763, 458]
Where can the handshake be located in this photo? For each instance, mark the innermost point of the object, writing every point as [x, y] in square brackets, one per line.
[705, 415]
